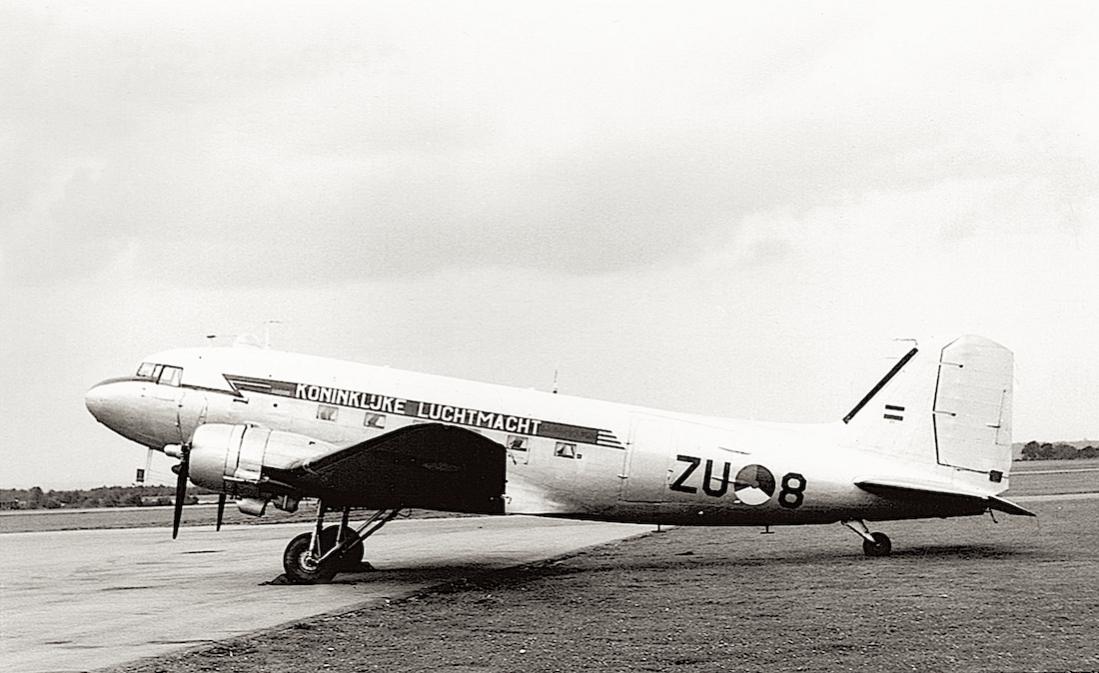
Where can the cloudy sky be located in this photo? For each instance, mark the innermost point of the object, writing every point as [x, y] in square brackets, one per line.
[721, 208]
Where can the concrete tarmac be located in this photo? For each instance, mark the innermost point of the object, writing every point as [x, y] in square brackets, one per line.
[84, 599]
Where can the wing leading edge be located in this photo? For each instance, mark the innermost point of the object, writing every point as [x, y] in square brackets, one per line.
[942, 493]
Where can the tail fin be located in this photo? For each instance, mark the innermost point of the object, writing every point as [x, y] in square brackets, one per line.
[946, 405]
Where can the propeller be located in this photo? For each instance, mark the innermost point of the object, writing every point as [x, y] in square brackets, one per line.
[181, 487]
[221, 508]
[182, 471]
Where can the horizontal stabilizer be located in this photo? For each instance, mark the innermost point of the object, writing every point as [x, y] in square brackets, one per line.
[1002, 505]
[912, 490]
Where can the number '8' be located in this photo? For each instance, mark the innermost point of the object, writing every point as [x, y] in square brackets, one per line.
[793, 490]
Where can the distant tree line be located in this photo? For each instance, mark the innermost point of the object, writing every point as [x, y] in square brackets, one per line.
[148, 496]
[1057, 451]
[103, 496]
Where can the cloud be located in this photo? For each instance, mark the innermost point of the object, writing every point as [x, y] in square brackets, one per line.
[376, 144]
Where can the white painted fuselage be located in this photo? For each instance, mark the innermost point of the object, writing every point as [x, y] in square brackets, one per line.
[566, 456]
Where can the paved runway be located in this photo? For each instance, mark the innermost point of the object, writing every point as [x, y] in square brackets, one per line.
[77, 600]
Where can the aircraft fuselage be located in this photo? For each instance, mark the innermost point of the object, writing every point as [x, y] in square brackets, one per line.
[566, 456]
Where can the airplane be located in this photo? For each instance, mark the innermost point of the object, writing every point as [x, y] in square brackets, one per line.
[931, 439]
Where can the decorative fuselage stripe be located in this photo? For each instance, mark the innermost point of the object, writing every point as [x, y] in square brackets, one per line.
[430, 411]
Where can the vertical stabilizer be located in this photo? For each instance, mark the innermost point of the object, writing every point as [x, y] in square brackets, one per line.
[894, 417]
[945, 404]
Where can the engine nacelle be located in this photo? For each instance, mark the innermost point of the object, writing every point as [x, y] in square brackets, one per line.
[232, 457]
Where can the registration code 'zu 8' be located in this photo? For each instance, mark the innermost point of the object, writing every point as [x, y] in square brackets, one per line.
[753, 484]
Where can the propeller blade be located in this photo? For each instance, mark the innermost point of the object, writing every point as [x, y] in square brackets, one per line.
[221, 508]
[181, 489]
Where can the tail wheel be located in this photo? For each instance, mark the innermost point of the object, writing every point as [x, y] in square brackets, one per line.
[300, 563]
[881, 546]
[352, 558]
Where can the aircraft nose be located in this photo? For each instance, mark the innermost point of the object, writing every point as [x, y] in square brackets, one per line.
[122, 406]
[97, 400]
[104, 402]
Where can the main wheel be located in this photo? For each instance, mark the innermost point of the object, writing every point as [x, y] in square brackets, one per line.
[301, 565]
[352, 558]
[881, 546]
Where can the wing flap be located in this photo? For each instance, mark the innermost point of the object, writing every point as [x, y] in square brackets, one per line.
[923, 491]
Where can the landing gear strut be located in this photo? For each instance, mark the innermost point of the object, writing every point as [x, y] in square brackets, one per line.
[873, 544]
[316, 557]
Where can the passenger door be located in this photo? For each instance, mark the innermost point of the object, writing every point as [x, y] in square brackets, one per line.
[649, 459]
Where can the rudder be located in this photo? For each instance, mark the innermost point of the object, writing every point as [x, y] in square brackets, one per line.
[972, 412]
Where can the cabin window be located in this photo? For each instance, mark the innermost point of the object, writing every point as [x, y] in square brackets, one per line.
[373, 420]
[327, 412]
[565, 450]
[170, 376]
[145, 370]
[518, 443]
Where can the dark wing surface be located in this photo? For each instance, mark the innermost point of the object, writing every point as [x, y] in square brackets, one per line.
[429, 466]
[943, 495]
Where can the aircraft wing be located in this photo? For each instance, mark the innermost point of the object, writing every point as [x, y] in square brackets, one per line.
[924, 491]
[430, 466]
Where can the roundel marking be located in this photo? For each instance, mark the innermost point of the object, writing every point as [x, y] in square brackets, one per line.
[754, 485]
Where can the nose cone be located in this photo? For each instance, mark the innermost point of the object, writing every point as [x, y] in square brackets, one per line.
[96, 401]
[118, 404]
[124, 406]
[103, 403]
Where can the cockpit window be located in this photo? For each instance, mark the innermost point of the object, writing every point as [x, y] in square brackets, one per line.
[170, 376]
[165, 375]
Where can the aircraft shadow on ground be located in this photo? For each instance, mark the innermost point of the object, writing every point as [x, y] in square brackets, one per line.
[430, 575]
[460, 576]
[968, 551]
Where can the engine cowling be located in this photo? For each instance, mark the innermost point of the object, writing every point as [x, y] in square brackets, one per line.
[231, 458]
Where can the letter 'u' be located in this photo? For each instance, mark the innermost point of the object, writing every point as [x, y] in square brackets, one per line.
[707, 477]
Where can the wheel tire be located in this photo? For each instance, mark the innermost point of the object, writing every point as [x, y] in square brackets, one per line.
[352, 558]
[299, 565]
[881, 546]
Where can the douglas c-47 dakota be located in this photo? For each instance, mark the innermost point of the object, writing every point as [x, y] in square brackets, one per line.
[931, 439]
